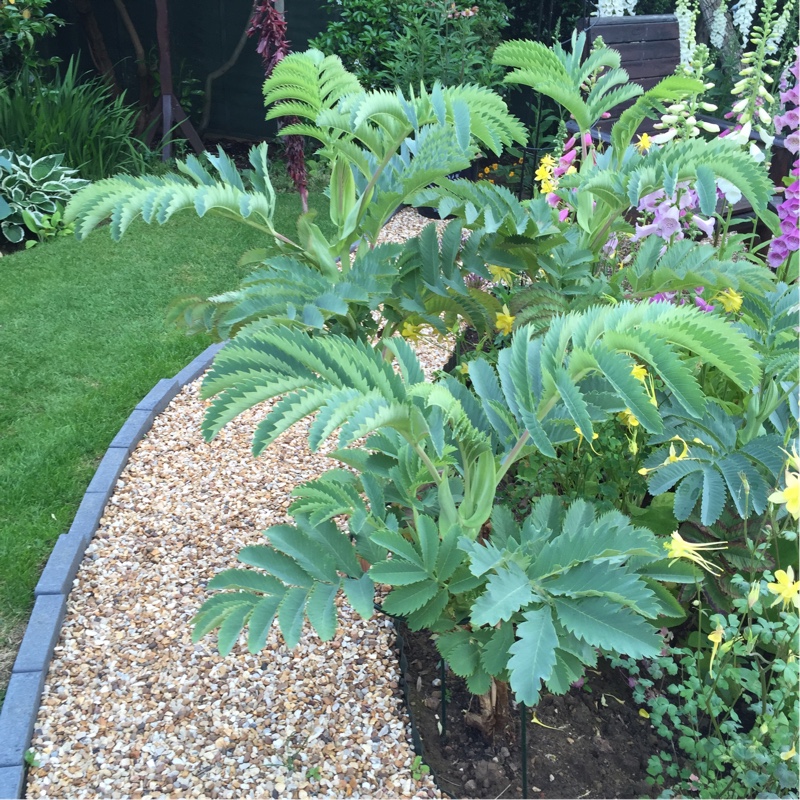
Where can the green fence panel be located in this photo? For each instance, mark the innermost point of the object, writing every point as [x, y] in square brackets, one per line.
[203, 35]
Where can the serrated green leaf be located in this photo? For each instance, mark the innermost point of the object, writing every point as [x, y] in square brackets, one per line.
[507, 591]
[246, 579]
[275, 563]
[600, 624]
[428, 615]
[230, 629]
[532, 655]
[406, 599]
[321, 609]
[291, 612]
[360, 594]
[495, 653]
[397, 572]
[261, 621]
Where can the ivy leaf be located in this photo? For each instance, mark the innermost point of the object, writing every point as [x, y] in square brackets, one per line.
[508, 590]
[532, 655]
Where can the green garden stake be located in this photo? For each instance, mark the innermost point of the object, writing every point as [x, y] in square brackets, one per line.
[523, 715]
[443, 677]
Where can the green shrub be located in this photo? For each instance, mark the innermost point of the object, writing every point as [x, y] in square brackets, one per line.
[391, 44]
[75, 117]
[20, 27]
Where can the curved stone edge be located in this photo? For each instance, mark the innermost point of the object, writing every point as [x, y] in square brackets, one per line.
[21, 705]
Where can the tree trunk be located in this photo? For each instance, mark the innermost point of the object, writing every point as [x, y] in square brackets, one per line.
[145, 80]
[492, 717]
[731, 51]
[97, 43]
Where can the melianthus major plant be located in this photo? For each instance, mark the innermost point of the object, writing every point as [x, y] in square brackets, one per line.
[520, 601]
[382, 146]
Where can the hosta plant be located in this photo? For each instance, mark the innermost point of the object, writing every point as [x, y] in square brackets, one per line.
[33, 190]
[515, 601]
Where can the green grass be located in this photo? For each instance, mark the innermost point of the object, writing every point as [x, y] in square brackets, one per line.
[83, 338]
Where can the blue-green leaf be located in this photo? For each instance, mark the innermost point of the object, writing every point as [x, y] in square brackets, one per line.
[532, 655]
[507, 591]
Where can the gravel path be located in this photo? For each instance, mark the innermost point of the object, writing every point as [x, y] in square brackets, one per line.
[132, 708]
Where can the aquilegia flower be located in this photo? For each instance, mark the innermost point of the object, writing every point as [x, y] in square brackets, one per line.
[411, 332]
[786, 588]
[504, 321]
[678, 547]
[790, 496]
[730, 300]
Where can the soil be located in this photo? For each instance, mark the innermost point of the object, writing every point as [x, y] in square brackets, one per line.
[596, 744]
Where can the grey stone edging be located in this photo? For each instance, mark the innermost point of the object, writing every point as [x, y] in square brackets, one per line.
[21, 705]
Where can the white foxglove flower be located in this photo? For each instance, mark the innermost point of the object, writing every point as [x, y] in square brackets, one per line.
[729, 191]
[709, 127]
[718, 26]
[779, 28]
[757, 153]
[766, 137]
[664, 137]
[743, 13]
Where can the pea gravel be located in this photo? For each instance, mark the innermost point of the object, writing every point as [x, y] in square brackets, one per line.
[132, 708]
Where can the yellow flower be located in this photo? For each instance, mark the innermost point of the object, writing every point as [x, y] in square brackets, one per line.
[730, 300]
[790, 495]
[511, 174]
[627, 417]
[486, 170]
[543, 174]
[504, 322]
[580, 439]
[491, 180]
[464, 368]
[716, 637]
[639, 372]
[691, 551]
[411, 332]
[501, 273]
[26, 13]
[549, 186]
[672, 457]
[495, 166]
[787, 588]
[644, 143]
[789, 754]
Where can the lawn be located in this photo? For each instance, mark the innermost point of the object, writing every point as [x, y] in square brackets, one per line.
[83, 337]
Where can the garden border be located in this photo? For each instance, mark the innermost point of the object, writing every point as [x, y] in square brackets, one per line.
[28, 675]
